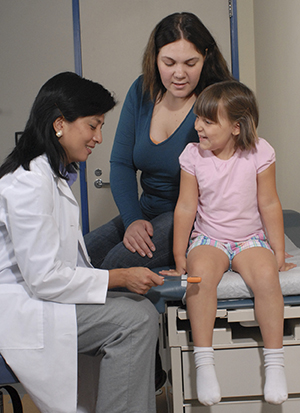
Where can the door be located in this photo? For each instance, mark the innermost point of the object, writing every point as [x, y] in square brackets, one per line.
[114, 34]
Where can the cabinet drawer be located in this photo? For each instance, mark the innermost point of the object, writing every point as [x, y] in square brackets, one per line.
[240, 372]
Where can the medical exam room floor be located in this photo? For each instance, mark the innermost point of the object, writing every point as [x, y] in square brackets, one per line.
[29, 407]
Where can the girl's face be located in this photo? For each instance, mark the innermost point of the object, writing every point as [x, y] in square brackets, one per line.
[80, 137]
[180, 66]
[218, 137]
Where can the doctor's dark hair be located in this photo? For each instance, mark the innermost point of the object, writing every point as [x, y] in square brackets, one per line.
[186, 26]
[235, 101]
[65, 94]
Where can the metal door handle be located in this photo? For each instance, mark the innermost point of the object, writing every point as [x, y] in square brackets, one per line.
[100, 184]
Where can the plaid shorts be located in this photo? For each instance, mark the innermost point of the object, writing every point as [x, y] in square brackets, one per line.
[231, 249]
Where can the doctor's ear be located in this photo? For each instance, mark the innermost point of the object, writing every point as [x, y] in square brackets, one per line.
[58, 126]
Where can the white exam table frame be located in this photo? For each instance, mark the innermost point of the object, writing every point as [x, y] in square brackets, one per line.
[236, 340]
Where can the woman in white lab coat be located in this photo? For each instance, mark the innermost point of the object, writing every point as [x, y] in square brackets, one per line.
[53, 303]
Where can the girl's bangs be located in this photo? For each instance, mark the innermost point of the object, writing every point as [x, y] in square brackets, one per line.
[207, 107]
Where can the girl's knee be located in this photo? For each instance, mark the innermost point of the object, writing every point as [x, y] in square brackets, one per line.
[210, 277]
[267, 277]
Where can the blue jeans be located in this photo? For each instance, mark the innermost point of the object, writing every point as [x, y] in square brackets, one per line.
[106, 249]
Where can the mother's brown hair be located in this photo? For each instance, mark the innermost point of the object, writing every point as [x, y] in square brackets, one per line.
[186, 26]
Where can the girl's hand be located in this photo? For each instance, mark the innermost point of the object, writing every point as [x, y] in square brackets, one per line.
[287, 266]
[170, 272]
[282, 264]
[180, 269]
[137, 238]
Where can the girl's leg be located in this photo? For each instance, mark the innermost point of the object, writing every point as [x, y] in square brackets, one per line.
[259, 269]
[209, 263]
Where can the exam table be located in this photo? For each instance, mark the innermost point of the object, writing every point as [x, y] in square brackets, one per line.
[236, 340]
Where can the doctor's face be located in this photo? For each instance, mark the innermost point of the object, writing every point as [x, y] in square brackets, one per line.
[80, 137]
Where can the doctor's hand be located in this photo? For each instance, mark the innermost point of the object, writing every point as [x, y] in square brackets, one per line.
[136, 279]
[137, 238]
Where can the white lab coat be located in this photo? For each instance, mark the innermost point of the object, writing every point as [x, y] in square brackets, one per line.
[44, 271]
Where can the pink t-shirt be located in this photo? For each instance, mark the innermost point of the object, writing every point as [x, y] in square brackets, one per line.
[227, 208]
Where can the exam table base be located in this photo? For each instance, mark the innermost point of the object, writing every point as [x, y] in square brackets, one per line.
[239, 362]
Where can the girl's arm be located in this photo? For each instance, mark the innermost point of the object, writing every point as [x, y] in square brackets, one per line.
[184, 217]
[271, 214]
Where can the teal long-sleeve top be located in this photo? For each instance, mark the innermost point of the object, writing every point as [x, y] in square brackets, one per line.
[133, 150]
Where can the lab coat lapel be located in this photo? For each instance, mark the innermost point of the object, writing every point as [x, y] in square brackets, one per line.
[64, 188]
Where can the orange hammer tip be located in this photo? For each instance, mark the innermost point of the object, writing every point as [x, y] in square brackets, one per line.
[194, 280]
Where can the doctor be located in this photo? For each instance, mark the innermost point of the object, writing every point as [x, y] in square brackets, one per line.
[53, 303]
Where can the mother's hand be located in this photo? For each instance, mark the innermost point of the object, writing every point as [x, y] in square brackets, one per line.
[137, 238]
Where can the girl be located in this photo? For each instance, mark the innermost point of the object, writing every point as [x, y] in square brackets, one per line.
[228, 183]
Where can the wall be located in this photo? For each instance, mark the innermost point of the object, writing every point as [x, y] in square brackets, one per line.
[269, 46]
[245, 17]
[36, 43]
[277, 45]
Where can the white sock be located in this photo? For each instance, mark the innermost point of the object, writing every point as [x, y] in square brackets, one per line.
[208, 389]
[275, 390]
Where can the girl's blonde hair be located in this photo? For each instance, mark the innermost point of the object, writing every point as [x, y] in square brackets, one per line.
[240, 106]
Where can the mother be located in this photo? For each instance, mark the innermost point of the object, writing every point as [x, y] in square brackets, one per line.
[156, 123]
